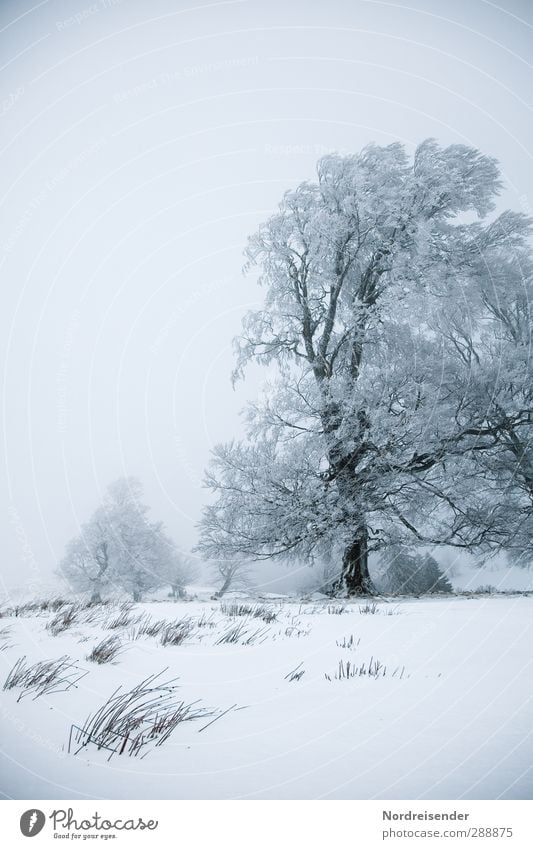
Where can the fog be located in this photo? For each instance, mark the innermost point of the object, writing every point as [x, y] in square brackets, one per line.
[141, 143]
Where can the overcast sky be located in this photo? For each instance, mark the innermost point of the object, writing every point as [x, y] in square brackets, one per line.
[142, 141]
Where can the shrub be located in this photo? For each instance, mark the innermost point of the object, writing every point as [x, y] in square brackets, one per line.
[408, 573]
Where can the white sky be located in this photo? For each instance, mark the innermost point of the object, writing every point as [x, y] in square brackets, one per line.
[141, 143]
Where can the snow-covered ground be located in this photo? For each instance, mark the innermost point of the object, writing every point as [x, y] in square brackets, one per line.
[451, 717]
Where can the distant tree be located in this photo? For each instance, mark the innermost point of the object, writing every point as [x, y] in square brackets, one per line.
[437, 580]
[119, 547]
[86, 564]
[232, 573]
[397, 318]
[181, 572]
[412, 573]
[142, 552]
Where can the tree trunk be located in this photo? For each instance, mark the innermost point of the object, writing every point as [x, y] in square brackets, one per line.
[225, 586]
[137, 595]
[355, 577]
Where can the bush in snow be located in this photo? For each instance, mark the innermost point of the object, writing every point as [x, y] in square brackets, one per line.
[410, 573]
[181, 571]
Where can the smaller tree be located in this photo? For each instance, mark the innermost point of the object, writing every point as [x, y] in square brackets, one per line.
[86, 564]
[182, 571]
[232, 573]
[412, 573]
[119, 547]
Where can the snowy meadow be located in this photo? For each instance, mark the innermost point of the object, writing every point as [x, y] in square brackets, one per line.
[268, 698]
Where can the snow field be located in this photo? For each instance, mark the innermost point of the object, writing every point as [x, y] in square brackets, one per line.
[445, 714]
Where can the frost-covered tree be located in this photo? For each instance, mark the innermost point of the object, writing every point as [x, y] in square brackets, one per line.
[86, 564]
[378, 280]
[181, 572]
[232, 573]
[119, 548]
